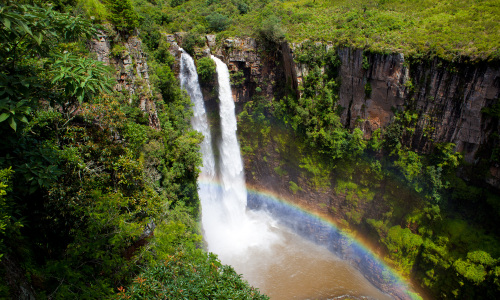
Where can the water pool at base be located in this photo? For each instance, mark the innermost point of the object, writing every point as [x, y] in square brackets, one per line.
[294, 268]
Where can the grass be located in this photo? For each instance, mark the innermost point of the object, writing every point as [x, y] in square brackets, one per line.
[450, 29]
[443, 28]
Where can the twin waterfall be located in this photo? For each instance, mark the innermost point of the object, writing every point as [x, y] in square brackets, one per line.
[229, 230]
[269, 255]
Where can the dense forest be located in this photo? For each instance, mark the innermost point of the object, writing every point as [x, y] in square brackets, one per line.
[98, 195]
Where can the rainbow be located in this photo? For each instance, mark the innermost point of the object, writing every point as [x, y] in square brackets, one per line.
[325, 232]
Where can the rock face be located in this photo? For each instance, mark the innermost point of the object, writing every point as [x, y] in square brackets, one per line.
[254, 72]
[387, 76]
[131, 71]
[447, 97]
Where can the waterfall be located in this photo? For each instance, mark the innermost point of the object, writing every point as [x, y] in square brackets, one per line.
[229, 229]
[189, 81]
[231, 165]
[207, 193]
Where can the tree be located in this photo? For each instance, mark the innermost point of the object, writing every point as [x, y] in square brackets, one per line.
[123, 15]
[217, 22]
[28, 33]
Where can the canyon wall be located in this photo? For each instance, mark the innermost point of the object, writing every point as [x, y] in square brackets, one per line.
[448, 98]
[445, 99]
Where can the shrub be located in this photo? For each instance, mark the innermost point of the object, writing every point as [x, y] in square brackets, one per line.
[217, 22]
[94, 8]
[162, 54]
[237, 78]
[192, 40]
[368, 90]
[366, 63]
[123, 15]
[294, 187]
[403, 246]
[119, 51]
[198, 276]
[242, 7]
[175, 3]
[271, 30]
[206, 69]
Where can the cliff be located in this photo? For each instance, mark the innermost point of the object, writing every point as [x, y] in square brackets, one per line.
[448, 98]
[128, 60]
[445, 99]
[254, 70]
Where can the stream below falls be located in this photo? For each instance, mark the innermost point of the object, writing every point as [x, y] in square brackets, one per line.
[295, 268]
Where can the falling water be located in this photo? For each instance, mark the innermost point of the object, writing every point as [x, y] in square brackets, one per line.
[231, 165]
[189, 81]
[231, 231]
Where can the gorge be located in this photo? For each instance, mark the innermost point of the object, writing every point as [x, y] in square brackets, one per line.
[272, 255]
[275, 163]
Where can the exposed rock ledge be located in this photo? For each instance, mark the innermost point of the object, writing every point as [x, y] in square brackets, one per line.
[131, 71]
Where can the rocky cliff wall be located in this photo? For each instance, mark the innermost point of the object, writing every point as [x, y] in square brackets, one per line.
[447, 98]
[131, 70]
[254, 71]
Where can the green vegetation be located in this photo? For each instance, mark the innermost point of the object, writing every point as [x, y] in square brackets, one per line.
[434, 226]
[403, 246]
[94, 8]
[217, 22]
[119, 51]
[122, 15]
[206, 69]
[449, 29]
[407, 200]
[96, 202]
[85, 181]
[190, 277]
[294, 187]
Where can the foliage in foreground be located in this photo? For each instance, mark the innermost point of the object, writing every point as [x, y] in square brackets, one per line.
[193, 275]
[90, 194]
